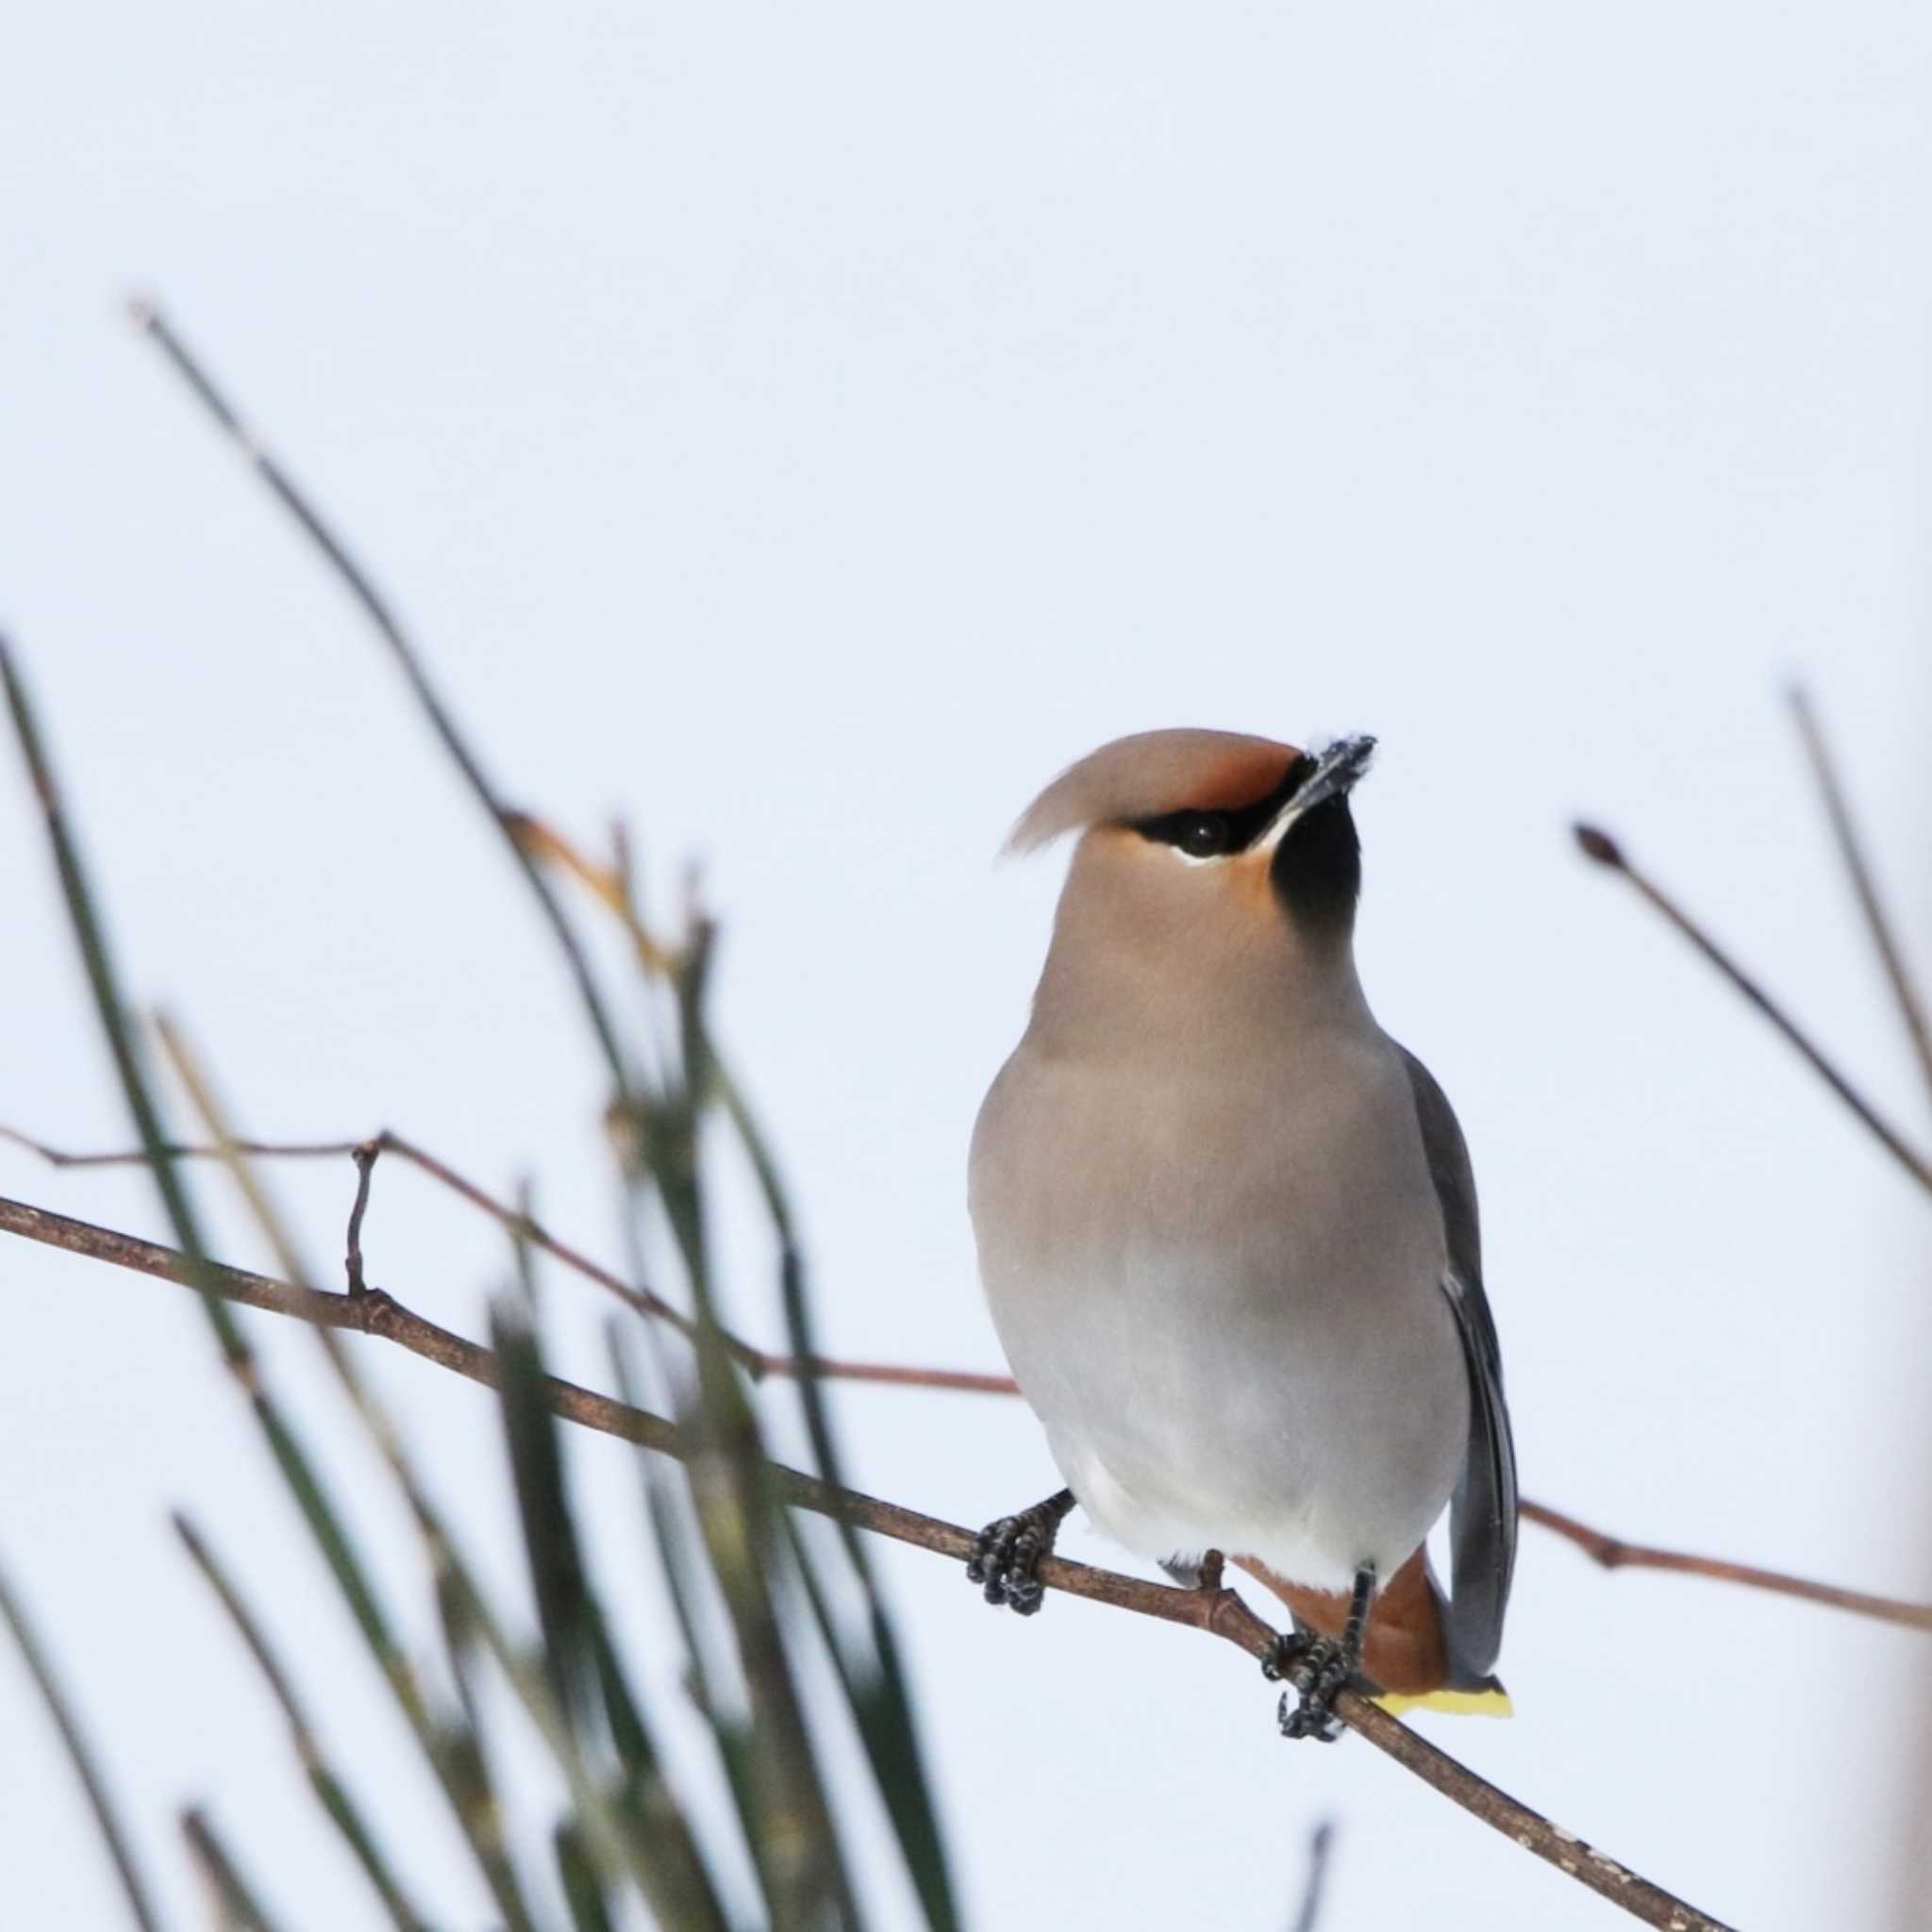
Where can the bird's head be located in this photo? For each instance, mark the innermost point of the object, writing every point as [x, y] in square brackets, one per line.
[1206, 859]
[1211, 824]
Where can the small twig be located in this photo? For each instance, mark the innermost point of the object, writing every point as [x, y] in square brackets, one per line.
[760, 1361]
[134, 1887]
[365, 1158]
[1321, 1849]
[756, 1360]
[236, 1908]
[323, 1778]
[1600, 847]
[1852, 850]
[1221, 1614]
[1613, 1553]
[362, 587]
[608, 884]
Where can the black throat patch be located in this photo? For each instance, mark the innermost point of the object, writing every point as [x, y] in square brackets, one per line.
[1318, 868]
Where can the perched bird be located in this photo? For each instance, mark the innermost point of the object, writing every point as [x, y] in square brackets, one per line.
[1228, 1230]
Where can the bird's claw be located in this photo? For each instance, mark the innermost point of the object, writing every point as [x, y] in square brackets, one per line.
[1278, 1660]
[1004, 1562]
[1316, 1667]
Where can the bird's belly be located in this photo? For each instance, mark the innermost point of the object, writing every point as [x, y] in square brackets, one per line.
[1183, 1423]
[1270, 1371]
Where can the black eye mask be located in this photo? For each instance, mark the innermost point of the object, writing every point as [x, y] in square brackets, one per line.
[1213, 834]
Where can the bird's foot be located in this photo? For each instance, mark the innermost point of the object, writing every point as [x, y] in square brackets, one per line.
[1320, 1666]
[1317, 1667]
[1279, 1660]
[1004, 1562]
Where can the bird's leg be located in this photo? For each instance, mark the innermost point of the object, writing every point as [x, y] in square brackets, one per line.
[1006, 1561]
[1318, 1667]
[1195, 1572]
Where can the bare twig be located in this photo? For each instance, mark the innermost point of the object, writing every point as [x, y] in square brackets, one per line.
[1614, 1552]
[1321, 1849]
[1600, 847]
[133, 1886]
[443, 1742]
[364, 1157]
[1221, 1614]
[755, 1360]
[362, 587]
[608, 884]
[234, 1906]
[1850, 847]
[323, 1780]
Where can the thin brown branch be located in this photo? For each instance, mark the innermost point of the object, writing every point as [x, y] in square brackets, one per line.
[1613, 1553]
[365, 1158]
[1220, 1612]
[1598, 845]
[1851, 848]
[361, 586]
[754, 1361]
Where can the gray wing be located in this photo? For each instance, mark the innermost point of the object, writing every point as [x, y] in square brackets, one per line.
[1482, 1514]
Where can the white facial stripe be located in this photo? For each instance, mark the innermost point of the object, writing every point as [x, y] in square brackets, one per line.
[1279, 830]
[1337, 768]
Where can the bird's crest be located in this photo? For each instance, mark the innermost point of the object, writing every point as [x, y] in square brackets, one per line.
[1152, 772]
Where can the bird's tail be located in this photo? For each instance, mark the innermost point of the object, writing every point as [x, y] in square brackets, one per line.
[1488, 1699]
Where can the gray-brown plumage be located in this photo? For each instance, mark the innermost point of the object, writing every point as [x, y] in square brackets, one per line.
[1226, 1226]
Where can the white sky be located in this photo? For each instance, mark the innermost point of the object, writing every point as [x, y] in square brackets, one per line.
[804, 430]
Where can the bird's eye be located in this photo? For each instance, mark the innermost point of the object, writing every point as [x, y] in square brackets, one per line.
[1199, 834]
[1204, 834]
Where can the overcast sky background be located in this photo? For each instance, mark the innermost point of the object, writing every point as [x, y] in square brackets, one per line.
[806, 430]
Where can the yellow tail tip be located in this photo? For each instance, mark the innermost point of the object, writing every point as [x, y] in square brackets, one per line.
[1492, 1703]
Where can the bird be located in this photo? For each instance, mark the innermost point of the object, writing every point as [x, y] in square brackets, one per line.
[1227, 1232]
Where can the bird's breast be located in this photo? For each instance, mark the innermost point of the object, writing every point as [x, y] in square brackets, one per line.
[1221, 1291]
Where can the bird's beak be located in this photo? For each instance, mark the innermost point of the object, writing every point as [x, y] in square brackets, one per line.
[1337, 771]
